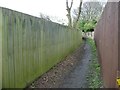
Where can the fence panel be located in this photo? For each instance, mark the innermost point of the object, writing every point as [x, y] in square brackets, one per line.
[31, 46]
[106, 38]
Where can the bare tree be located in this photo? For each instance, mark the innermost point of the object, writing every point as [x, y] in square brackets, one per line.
[46, 17]
[78, 15]
[90, 10]
[70, 21]
[53, 18]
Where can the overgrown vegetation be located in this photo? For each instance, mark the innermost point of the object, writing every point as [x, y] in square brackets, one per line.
[87, 26]
[94, 78]
[89, 15]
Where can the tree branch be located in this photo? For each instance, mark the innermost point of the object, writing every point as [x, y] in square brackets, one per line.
[71, 4]
[67, 5]
[78, 16]
[69, 13]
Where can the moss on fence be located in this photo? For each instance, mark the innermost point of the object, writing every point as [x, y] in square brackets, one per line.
[31, 46]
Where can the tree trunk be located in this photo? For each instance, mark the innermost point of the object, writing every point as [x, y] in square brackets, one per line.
[69, 13]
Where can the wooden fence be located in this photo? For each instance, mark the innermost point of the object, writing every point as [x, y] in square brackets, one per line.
[0, 48]
[31, 46]
[106, 38]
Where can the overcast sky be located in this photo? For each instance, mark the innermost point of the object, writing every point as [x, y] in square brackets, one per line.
[54, 8]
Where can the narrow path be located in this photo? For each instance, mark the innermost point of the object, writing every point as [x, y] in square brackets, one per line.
[69, 73]
[77, 78]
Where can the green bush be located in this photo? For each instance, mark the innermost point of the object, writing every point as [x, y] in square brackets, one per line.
[87, 26]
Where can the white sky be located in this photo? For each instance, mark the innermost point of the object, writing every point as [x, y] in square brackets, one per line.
[54, 8]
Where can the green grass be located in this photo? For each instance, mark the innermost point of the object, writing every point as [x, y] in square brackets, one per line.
[94, 80]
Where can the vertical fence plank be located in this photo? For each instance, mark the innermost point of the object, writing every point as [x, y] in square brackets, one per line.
[5, 56]
[30, 22]
[20, 49]
[1, 43]
[24, 48]
[119, 38]
[10, 49]
[16, 55]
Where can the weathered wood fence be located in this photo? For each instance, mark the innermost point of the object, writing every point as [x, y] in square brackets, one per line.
[31, 46]
[107, 38]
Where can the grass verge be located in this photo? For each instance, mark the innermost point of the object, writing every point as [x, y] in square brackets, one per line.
[94, 78]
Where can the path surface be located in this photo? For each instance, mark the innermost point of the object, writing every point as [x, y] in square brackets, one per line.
[77, 78]
[70, 73]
